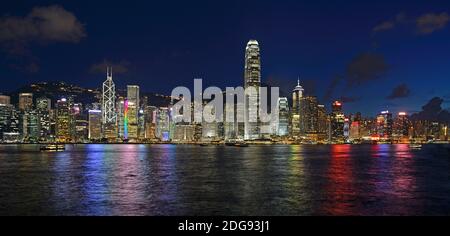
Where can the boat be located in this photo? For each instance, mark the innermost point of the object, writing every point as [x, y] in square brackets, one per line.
[241, 144]
[52, 147]
[204, 144]
[236, 143]
[415, 146]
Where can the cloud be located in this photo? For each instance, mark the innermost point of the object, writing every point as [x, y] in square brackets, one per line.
[366, 67]
[390, 24]
[424, 24]
[431, 22]
[332, 87]
[387, 25]
[43, 24]
[401, 91]
[121, 67]
[27, 67]
[432, 111]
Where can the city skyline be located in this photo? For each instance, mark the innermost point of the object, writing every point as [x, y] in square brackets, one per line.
[166, 56]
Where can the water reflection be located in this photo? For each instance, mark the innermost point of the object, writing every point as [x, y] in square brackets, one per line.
[339, 192]
[217, 180]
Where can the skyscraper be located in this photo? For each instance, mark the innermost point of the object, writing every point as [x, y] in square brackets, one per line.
[309, 117]
[337, 122]
[252, 79]
[5, 118]
[63, 133]
[384, 124]
[322, 122]
[163, 124]
[297, 94]
[108, 106]
[283, 117]
[43, 107]
[33, 126]
[5, 100]
[401, 127]
[133, 109]
[121, 117]
[25, 101]
[95, 124]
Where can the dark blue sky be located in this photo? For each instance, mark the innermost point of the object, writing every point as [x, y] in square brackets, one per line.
[371, 47]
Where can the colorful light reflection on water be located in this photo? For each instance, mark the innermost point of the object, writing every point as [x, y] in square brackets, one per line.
[216, 180]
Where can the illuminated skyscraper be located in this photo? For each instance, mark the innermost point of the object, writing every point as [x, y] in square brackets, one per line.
[163, 124]
[25, 101]
[132, 112]
[297, 94]
[5, 118]
[337, 122]
[322, 122]
[109, 117]
[283, 117]
[309, 117]
[95, 124]
[5, 100]
[384, 124]
[252, 79]
[120, 117]
[125, 119]
[63, 133]
[401, 127]
[33, 126]
[150, 122]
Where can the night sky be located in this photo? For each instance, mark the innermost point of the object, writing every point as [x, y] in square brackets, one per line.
[373, 55]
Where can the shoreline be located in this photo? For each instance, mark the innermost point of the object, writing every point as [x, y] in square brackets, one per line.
[223, 144]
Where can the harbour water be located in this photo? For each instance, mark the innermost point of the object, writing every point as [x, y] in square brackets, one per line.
[127, 179]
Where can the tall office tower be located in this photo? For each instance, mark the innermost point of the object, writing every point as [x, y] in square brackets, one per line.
[297, 95]
[63, 133]
[125, 119]
[346, 129]
[82, 128]
[163, 124]
[252, 78]
[109, 116]
[43, 107]
[322, 122]
[309, 117]
[95, 124]
[5, 118]
[141, 124]
[120, 117]
[337, 122]
[5, 100]
[25, 101]
[283, 117]
[133, 110]
[9, 123]
[150, 122]
[384, 124]
[33, 126]
[401, 128]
